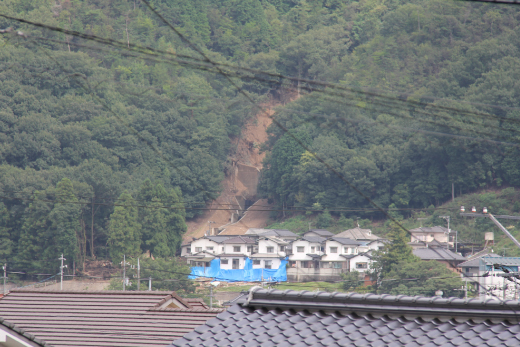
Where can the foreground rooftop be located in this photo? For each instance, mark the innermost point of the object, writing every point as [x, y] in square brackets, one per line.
[104, 318]
[294, 318]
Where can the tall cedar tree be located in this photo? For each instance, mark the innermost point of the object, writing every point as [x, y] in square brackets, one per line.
[397, 251]
[64, 224]
[124, 230]
[163, 219]
[6, 244]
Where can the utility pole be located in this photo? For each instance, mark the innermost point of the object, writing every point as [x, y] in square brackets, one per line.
[61, 270]
[138, 275]
[150, 283]
[124, 272]
[5, 276]
[448, 243]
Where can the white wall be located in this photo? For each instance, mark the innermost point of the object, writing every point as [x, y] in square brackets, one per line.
[275, 263]
[263, 244]
[307, 249]
[374, 245]
[342, 249]
[204, 244]
[429, 237]
[360, 259]
[229, 248]
[229, 265]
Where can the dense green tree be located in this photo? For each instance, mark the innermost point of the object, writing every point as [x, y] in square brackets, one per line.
[64, 224]
[428, 278]
[396, 253]
[124, 229]
[6, 242]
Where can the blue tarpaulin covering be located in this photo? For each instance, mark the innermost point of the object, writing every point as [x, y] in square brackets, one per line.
[247, 274]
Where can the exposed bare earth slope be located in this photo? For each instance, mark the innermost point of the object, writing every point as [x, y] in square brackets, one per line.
[239, 186]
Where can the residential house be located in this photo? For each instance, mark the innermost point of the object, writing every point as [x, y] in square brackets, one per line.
[283, 234]
[440, 254]
[304, 258]
[361, 262]
[489, 272]
[211, 244]
[234, 251]
[104, 318]
[425, 235]
[359, 234]
[336, 251]
[271, 250]
[12, 336]
[319, 233]
[301, 318]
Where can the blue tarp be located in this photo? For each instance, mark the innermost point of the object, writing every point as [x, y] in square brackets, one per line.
[247, 274]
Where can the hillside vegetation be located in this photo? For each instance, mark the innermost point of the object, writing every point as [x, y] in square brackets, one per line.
[94, 141]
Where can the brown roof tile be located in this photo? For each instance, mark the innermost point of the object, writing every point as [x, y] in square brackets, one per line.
[105, 318]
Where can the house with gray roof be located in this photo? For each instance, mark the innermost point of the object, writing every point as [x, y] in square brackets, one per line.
[440, 254]
[490, 271]
[318, 232]
[358, 234]
[301, 318]
[104, 318]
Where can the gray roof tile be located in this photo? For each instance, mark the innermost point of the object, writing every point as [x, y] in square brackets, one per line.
[289, 318]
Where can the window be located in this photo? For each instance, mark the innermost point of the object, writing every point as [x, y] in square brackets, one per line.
[333, 249]
[188, 250]
[198, 249]
[267, 264]
[361, 265]
[236, 263]
[346, 250]
[209, 248]
[282, 248]
[222, 249]
[224, 262]
[355, 250]
[325, 264]
[336, 265]
[236, 248]
[256, 262]
[313, 249]
[270, 249]
[307, 264]
[250, 249]
[292, 263]
[300, 249]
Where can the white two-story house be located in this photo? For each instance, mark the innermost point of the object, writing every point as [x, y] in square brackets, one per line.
[234, 251]
[271, 250]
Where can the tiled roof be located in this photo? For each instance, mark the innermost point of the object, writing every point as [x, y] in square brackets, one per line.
[345, 241]
[105, 318]
[239, 240]
[437, 254]
[11, 330]
[278, 232]
[314, 239]
[217, 238]
[267, 255]
[358, 234]
[291, 318]
[321, 232]
[476, 261]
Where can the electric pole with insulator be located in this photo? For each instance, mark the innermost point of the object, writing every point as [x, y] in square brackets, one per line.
[61, 270]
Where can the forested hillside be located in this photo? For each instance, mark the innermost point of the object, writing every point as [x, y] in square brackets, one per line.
[433, 101]
[94, 141]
